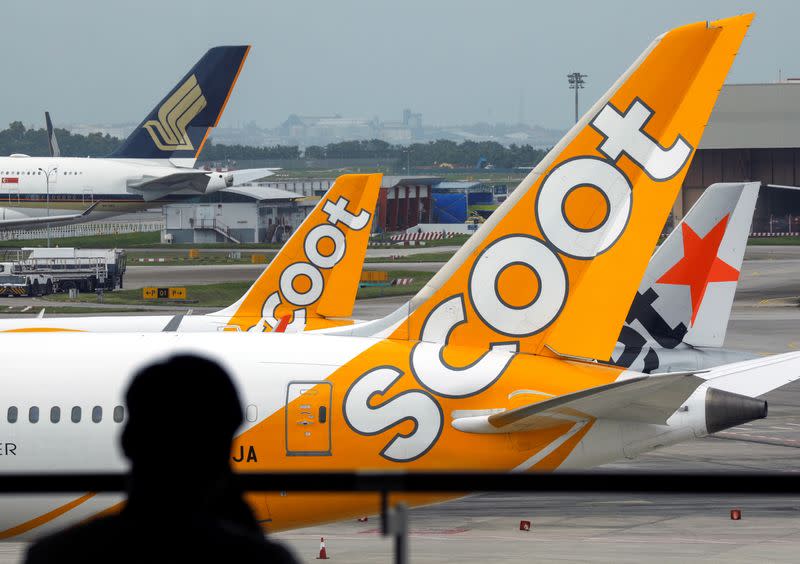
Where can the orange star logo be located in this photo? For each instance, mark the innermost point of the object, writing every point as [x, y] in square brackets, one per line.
[700, 264]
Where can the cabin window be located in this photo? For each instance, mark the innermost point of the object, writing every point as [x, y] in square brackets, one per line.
[119, 414]
[97, 414]
[55, 414]
[12, 414]
[33, 414]
[76, 414]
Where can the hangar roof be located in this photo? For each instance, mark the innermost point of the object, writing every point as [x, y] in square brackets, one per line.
[392, 181]
[459, 185]
[261, 193]
[755, 116]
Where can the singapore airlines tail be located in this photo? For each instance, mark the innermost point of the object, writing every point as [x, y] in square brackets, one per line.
[178, 126]
[687, 291]
[301, 283]
[554, 270]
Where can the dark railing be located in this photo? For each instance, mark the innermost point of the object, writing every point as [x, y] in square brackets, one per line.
[453, 482]
[394, 521]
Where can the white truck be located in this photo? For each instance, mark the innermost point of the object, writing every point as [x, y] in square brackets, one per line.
[40, 271]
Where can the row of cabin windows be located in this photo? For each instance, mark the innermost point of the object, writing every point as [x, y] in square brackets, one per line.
[37, 172]
[75, 414]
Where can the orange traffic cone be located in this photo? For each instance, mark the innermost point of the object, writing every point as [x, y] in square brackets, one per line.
[323, 554]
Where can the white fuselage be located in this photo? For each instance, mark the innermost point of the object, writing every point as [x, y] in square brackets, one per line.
[89, 371]
[92, 371]
[77, 183]
[121, 323]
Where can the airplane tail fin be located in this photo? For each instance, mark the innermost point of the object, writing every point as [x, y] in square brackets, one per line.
[556, 266]
[51, 137]
[688, 288]
[317, 271]
[178, 126]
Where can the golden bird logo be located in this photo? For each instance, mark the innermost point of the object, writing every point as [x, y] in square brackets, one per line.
[169, 130]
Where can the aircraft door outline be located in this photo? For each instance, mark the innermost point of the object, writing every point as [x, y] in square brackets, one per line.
[308, 418]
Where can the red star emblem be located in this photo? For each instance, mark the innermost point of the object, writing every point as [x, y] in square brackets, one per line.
[700, 264]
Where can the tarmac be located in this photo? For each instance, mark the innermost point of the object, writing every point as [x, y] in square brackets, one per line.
[620, 528]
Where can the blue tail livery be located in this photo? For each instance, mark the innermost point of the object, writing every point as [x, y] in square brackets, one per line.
[178, 126]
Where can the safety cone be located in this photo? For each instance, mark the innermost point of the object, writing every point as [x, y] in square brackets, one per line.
[323, 553]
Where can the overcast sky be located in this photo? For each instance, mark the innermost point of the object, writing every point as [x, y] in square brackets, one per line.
[456, 61]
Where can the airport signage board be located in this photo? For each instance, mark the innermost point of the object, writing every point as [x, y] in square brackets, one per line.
[151, 293]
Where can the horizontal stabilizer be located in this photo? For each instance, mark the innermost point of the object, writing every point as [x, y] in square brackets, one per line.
[643, 399]
[755, 377]
[239, 177]
[153, 188]
[46, 220]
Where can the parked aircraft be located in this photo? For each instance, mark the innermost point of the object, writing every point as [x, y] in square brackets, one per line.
[335, 234]
[680, 313]
[479, 371]
[152, 167]
[728, 206]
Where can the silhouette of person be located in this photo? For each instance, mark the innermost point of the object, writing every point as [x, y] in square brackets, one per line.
[183, 504]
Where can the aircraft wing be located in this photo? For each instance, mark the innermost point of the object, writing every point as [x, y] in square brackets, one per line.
[45, 220]
[643, 399]
[155, 187]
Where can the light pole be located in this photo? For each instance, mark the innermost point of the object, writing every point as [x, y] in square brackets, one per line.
[576, 82]
[47, 174]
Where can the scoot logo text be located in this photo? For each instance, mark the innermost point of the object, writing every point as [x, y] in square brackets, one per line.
[623, 134]
[318, 258]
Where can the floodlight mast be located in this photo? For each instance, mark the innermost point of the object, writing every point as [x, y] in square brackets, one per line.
[576, 82]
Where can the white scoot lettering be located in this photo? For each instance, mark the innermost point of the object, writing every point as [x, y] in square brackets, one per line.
[316, 261]
[337, 212]
[434, 373]
[416, 406]
[625, 134]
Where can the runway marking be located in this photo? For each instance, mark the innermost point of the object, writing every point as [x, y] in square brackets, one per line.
[423, 532]
[760, 439]
[768, 301]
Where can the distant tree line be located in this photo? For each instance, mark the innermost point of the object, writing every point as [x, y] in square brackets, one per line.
[214, 152]
[467, 154]
[17, 139]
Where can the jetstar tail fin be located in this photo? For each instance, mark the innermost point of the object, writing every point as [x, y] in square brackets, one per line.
[317, 271]
[559, 262]
[687, 291]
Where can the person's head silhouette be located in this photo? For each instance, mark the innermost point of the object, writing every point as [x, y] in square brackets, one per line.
[182, 417]
[183, 505]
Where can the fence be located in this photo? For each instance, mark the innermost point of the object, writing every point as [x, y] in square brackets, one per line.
[82, 230]
[394, 521]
